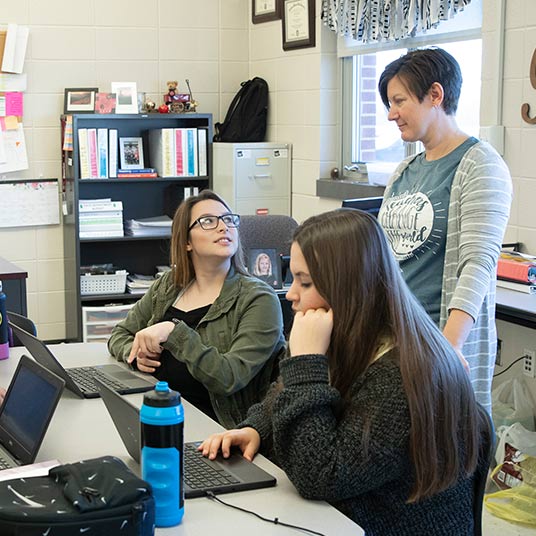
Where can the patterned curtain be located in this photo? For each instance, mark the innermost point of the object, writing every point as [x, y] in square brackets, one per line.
[387, 20]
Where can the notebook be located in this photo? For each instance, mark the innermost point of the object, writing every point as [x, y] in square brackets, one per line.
[79, 380]
[29, 404]
[222, 475]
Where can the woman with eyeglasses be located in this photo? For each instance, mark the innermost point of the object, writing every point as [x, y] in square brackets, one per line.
[210, 330]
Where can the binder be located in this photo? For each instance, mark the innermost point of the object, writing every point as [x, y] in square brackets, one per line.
[83, 153]
[162, 151]
[102, 142]
[202, 151]
[92, 152]
[112, 153]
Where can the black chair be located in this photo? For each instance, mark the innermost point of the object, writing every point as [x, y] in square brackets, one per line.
[487, 448]
[22, 322]
[271, 231]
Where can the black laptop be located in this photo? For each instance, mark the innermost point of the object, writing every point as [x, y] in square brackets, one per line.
[29, 404]
[222, 475]
[79, 380]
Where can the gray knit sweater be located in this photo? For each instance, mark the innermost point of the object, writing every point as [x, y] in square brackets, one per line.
[325, 459]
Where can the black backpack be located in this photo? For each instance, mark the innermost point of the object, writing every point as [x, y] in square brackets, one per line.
[247, 114]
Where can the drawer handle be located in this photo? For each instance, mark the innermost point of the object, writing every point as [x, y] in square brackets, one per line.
[263, 176]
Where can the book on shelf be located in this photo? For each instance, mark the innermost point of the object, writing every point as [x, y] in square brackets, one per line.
[102, 234]
[83, 154]
[112, 153]
[191, 164]
[102, 142]
[92, 152]
[202, 136]
[526, 288]
[179, 160]
[135, 171]
[137, 175]
[162, 151]
[516, 267]
[99, 205]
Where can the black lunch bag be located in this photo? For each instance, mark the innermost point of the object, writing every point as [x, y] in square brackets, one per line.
[97, 497]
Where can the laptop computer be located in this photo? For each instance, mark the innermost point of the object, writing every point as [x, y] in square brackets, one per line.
[29, 404]
[222, 475]
[79, 380]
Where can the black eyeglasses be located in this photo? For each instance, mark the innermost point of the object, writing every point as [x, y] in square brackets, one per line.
[211, 222]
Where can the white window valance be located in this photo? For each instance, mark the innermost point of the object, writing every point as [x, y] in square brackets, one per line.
[369, 21]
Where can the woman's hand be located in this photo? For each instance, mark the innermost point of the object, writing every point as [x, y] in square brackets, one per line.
[247, 439]
[2, 394]
[146, 348]
[311, 332]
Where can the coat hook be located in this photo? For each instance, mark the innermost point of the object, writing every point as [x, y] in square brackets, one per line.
[526, 107]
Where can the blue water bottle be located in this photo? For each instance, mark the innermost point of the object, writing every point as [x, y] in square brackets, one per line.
[162, 447]
[4, 328]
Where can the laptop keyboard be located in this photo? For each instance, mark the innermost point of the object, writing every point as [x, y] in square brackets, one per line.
[83, 377]
[4, 464]
[199, 473]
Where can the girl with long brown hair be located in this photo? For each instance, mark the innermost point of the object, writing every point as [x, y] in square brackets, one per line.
[374, 411]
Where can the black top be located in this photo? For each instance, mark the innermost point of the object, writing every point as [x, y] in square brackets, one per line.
[176, 373]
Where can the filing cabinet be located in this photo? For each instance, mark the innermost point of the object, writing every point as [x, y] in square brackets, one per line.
[254, 178]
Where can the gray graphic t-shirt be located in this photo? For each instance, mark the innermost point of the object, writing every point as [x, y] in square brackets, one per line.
[414, 218]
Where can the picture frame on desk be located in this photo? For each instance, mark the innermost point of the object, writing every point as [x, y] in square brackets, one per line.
[265, 264]
[79, 100]
[298, 21]
[265, 10]
[126, 97]
[131, 153]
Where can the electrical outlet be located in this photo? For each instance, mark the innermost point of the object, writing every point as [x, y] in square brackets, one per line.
[530, 363]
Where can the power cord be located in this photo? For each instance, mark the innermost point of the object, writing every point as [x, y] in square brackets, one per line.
[510, 365]
[212, 496]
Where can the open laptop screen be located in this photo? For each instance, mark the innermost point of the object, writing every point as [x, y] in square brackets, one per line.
[29, 403]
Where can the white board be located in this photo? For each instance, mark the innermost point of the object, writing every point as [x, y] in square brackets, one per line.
[26, 203]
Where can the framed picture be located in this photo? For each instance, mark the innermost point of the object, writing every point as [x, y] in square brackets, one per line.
[265, 10]
[105, 103]
[126, 97]
[131, 153]
[298, 24]
[80, 100]
[266, 265]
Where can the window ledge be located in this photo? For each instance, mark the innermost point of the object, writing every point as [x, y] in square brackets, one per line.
[344, 189]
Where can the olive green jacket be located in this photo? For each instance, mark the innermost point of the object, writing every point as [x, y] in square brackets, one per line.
[233, 351]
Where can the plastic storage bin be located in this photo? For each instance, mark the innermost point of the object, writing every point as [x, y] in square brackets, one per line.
[98, 322]
[103, 283]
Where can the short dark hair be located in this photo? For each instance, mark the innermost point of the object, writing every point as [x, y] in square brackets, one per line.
[419, 69]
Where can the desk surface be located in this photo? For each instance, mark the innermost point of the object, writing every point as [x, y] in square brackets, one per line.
[82, 429]
[516, 307]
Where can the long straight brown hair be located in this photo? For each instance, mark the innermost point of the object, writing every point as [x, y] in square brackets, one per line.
[352, 268]
[181, 261]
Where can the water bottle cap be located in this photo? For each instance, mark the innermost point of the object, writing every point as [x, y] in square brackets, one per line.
[162, 396]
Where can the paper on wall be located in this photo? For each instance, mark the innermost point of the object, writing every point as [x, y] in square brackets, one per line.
[13, 82]
[15, 48]
[16, 158]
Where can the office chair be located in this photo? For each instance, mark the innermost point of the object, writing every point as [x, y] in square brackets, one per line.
[267, 232]
[270, 232]
[22, 322]
[487, 447]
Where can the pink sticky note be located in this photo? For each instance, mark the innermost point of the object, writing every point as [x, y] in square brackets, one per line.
[14, 103]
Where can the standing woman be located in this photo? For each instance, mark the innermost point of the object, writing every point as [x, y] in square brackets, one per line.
[374, 412]
[206, 327]
[445, 210]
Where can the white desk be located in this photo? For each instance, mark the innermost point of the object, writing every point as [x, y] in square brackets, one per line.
[82, 429]
[516, 307]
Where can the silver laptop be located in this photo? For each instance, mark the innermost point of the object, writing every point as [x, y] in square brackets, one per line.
[222, 475]
[29, 404]
[79, 380]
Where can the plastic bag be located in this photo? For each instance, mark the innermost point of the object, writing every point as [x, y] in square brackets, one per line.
[515, 475]
[510, 404]
[516, 504]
